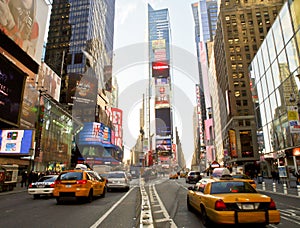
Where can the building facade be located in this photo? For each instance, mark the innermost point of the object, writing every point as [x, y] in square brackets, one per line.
[242, 27]
[79, 49]
[159, 39]
[205, 14]
[274, 75]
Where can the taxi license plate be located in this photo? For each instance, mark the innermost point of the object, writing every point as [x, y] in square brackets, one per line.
[248, 206]
[68, 186]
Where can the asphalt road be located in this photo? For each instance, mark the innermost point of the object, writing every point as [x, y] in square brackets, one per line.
[117, 209]
[172, 194]
[122, 209]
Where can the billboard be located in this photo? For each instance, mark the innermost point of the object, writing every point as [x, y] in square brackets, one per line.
[162, 96]
[163, 121]
[160, 54]
[94, 133]
[14, 142]
[82, 89]
[29, 106]
[160, 69]
[232, 142]
[159, 44]
[25, 23]
[11, 91]
[117, 115]
[49, 81]
[162, 92]
[164, 146]
[95, 145]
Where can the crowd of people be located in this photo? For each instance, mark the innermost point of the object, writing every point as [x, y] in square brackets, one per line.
[32, 176]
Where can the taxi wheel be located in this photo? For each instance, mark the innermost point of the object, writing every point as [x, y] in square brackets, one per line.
[104, 192]
[90, 196]
[58, 200]
[36, 196]
[189, 207]
[205, 220]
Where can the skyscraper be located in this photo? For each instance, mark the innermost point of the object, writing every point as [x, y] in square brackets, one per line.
[242, 26]
[79, 49]
[205, 19]
[160, 76]
[80, 37]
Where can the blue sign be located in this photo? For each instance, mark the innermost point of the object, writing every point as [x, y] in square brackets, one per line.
[16, 141]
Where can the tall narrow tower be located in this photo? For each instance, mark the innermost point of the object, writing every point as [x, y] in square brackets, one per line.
[160, 82]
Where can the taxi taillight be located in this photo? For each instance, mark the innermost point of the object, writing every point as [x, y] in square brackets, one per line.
[272, 205]
[220, 205]
[81, 182]
[57, 182]
[52, 185]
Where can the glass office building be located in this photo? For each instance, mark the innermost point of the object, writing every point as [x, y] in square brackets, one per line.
[159, 40]
[274, 75]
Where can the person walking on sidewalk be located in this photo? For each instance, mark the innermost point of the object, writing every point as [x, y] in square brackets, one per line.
[297, 175]
[24, 179]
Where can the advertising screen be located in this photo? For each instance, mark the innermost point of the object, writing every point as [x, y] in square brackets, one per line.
[117, 123]
[50, 81]
[16, 141]
[160, 69]
[95, 145]
[163, 146]
[163, 121]
[11, 87]
[25, 23]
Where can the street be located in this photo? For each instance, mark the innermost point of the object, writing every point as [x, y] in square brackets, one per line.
[122, 209]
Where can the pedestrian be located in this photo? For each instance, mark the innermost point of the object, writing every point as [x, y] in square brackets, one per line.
[277, 177]
[297, 175]
[24, 179]
[273, 173]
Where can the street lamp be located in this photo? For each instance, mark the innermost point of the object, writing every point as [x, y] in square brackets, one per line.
[31, 154]
[39, 123]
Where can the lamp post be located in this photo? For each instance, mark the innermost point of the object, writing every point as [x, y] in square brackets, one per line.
[31, 153]
[142, 143]
[39, 123]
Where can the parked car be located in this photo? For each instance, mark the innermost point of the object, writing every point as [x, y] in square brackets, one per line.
[79, 184]
[44, 186]
[117, 180]
[193, 177]
[231, 201]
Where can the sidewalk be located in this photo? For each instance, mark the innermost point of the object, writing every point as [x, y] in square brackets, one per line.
[278, 188]
[16, 189]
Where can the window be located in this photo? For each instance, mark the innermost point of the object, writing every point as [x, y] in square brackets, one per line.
[78, 58]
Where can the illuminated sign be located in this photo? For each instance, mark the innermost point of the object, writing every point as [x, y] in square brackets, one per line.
[160, 69]
[16, 141]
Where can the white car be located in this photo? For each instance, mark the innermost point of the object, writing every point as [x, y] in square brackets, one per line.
[117, 180]
[44, 186]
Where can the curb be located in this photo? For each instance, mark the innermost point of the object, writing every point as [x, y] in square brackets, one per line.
[279, 193]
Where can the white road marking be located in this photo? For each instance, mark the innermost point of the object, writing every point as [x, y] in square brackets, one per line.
[100, 220]
[163, 209]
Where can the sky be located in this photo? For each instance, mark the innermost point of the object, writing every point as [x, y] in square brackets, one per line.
[130, 66]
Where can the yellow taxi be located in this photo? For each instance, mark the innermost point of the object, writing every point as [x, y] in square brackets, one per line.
[79, 184]
[245, 178]
[231, 201]
[173, 175]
